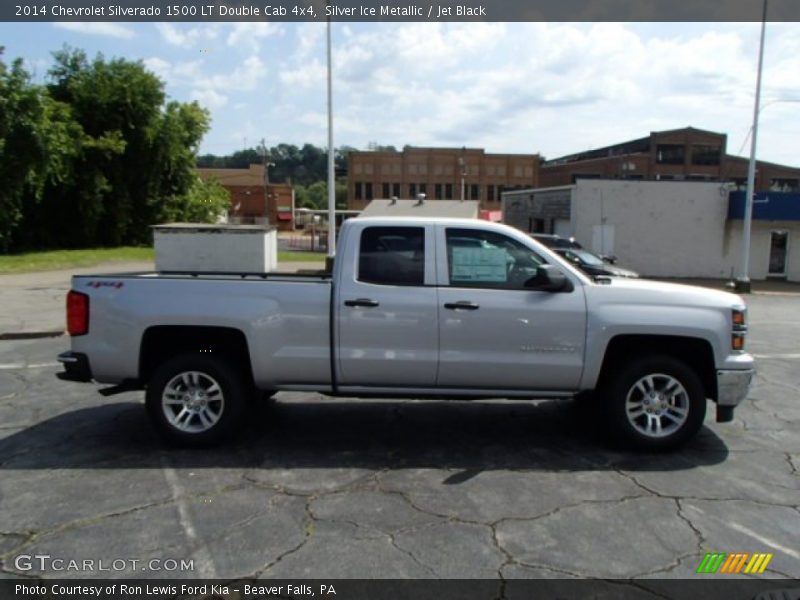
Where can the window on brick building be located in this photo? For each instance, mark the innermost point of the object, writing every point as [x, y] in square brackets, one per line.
[448, 191]
[385, 190]
[670, 154]
[784, 185]
[705, 155]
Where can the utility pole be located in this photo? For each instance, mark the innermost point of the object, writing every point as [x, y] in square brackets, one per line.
[463, 168]
[331, 172]
[743, 281]
[263, 149]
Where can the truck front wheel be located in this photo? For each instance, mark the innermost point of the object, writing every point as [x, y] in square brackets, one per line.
[196, 400]
[655, 403]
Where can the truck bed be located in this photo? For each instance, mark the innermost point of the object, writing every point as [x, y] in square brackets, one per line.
[285, 318]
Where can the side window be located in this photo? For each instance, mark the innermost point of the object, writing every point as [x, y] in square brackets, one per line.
[486, 259]
[392, 256]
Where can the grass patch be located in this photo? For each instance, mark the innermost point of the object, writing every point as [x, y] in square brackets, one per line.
[54, 260]
[289, 256]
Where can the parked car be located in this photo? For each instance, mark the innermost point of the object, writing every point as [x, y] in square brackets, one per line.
[552, 240]
[592, 264]
[439, 308]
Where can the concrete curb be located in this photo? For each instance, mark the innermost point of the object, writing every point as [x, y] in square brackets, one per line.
[30, 335]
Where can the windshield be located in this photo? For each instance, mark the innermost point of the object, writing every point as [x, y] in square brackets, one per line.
[585, 257]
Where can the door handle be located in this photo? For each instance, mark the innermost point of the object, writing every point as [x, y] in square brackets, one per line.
[461, 305]
[365, 302]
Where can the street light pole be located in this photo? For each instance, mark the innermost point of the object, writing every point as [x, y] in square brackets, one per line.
[331, 173]
[463, 168]
[743, 281]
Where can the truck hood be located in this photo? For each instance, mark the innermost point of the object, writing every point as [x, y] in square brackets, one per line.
[658, 292]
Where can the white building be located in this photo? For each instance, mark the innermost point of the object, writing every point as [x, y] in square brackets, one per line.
[666, 228]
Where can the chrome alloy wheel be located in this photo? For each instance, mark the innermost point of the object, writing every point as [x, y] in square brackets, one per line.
[657, 405]
[192, 402]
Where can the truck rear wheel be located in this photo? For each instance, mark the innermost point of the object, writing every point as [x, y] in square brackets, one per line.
[655, 403]
[196, 400]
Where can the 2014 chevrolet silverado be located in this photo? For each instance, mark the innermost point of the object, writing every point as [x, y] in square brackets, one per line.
[414, 308]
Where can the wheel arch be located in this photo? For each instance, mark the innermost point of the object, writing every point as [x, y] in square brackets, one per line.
[163, 342]
[696, 353]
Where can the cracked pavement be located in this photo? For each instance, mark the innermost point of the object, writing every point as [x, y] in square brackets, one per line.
[323, 488]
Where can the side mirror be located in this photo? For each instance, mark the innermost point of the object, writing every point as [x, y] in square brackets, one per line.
[610, 259]
[549, 279]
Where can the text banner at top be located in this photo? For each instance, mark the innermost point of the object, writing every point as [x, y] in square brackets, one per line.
[399, 10]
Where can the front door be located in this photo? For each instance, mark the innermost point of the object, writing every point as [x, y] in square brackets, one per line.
[778, 251]
[493, 332]
[386, 310]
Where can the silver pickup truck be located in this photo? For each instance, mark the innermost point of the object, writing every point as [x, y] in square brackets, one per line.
[437, 308]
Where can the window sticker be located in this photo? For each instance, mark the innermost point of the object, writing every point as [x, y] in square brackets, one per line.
[479, 264]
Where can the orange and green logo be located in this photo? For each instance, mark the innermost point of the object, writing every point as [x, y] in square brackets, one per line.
[737, 562]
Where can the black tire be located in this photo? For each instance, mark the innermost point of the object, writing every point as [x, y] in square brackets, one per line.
[670, 414]
[224, 409]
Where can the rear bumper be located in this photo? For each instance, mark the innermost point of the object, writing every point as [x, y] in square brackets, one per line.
[76, 367]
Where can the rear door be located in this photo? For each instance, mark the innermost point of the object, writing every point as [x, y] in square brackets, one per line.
[386, 309]
[494, 332]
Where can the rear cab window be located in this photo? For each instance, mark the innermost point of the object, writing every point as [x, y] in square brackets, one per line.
[392, 256]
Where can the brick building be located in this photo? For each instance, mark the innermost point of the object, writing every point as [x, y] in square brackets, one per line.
[681, 154]
[438, 173]
[252, 198]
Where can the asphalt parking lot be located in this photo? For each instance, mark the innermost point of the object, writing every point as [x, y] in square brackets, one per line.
[331, 489]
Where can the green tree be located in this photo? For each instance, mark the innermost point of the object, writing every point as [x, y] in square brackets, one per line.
[205, 202]
[38, 142]
[22, 149]
[134, 157]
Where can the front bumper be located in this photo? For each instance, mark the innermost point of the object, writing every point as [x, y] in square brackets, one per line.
[732, 388]
[76, 367]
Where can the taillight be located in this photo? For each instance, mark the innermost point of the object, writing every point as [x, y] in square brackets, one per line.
[77, 313]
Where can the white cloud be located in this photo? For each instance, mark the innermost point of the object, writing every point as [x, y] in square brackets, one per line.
[245, 77]
[553, 88]
[312, 74]
[106, 29]
[521, 87]
[178, 73]
[187, 37]
[159, 66]
[248, 35]
[309, 39]
[209, 98]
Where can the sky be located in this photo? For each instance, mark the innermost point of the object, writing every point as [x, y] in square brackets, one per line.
[547, 88]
